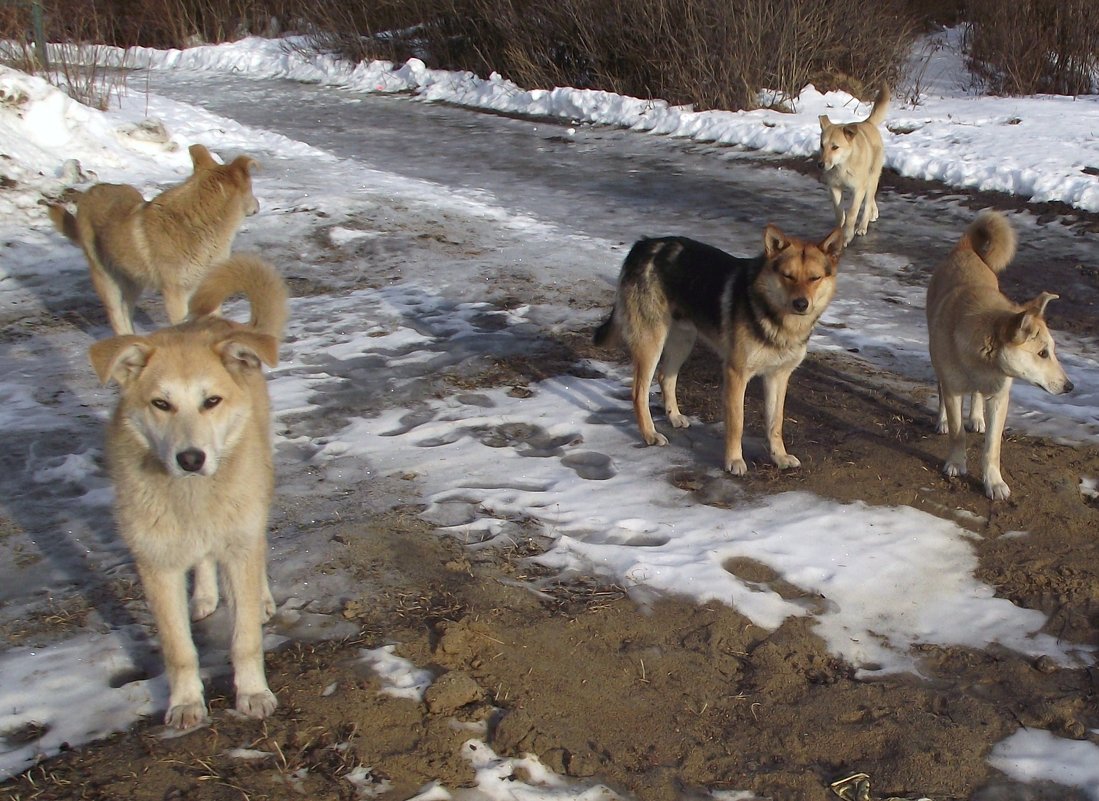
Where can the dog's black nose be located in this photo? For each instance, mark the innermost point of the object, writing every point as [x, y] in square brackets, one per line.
[191, 459]
[1069, 386]
[800, 304]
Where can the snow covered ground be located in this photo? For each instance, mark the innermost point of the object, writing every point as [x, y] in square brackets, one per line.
[484, 458]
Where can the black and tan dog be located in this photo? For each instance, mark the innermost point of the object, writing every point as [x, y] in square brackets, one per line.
[756, 313]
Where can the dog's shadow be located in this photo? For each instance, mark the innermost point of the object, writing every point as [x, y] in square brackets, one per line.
[57, 495]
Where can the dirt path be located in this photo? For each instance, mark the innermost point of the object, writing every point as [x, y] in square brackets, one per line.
[664, 702]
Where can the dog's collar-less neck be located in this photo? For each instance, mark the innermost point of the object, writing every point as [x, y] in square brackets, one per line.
[768, 324]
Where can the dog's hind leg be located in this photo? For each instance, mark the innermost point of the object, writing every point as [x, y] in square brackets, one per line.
[871, 213]
[204, 595]
[269, 605]
[175, 303]
[646, 355]
[166, 594]
[115, 297]
[677, 347]
[245, 577]
[941, 426]
[774, 388]
[995, 486]
[976, 413]
[955, 460]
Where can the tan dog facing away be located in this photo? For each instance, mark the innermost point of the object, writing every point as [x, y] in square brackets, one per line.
[852, 156]
[980, 340]
[189, 450]
[167, 243]
[756, 314]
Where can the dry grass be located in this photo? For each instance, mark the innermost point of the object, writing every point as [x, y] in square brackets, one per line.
[707, 53]
[1034, 46]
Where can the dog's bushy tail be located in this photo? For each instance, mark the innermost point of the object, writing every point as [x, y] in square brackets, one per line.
[255, 279]
[993, 239]
[63, 221]
[606, 333]
[881, 104]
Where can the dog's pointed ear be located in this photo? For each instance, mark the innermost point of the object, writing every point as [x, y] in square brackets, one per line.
[832, 245]
[246, 350]
[1021, 326]
[774, 241]
[245, 164]
[201, 158]
[1038, 304]
[824, 121]
[120, 358]
[849, 131]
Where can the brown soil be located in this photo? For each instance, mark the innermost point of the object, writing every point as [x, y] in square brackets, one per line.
[664, 702]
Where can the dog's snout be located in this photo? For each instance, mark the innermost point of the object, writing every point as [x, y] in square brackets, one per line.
[1069, 386]
[800, 305]
[191, 460]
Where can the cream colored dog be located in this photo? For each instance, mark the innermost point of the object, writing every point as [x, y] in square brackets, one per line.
[979, 341]
[189, 449]
[167, 243]
[852, 156]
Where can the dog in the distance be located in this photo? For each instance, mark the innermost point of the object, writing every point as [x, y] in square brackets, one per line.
[189, 451]
[980, 340]
[755, 313]
[167, 243]
[852, 155]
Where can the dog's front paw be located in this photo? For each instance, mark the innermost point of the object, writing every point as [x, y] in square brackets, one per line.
[976, 425]
[953, 469]
[861, 230]
[185, 716]
[257, 705]
[997, 490]
[738, 467]
[656, 438]
[786, 461]
[941, 427]
[679, 421]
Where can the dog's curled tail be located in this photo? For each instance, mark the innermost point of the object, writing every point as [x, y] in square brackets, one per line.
[881, 104]
[255, 279]
[606, 333]
[993, 239]
[63, 221]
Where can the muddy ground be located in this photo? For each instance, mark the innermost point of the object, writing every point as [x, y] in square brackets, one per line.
[663, 702]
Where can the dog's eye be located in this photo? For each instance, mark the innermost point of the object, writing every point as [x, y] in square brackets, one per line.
[211, 402]
[161, 404]
[815, 278]
[1043, 353]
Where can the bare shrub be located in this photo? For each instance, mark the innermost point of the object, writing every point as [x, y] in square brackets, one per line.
[709, 53]
[71, 67]
[1032, 46]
